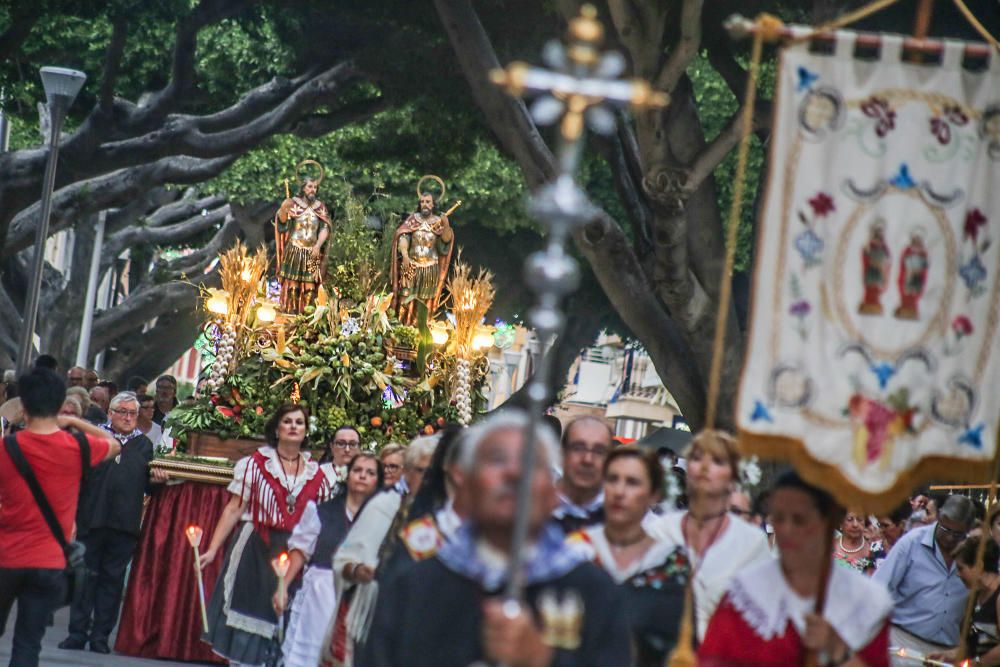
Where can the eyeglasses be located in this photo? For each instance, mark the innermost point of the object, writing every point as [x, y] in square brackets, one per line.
[346, 444]
[126, 413]
[953, 534]
[392, 467]
[739, 512]
[580, 449]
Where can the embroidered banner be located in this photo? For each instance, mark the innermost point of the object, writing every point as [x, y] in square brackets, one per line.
[873, 352]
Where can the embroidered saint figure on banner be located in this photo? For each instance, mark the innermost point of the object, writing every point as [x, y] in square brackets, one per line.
[875, 262]
[912, 278]
[874, 347]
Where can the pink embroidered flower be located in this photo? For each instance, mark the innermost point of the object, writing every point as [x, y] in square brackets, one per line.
[974, 219]
[822, 204]
[962, 326]
[955, 115]
[941, 130]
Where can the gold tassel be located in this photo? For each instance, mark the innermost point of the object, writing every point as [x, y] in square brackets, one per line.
[683, 653]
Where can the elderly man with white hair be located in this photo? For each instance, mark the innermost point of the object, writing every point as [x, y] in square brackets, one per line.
[108, 525]
[448, 610]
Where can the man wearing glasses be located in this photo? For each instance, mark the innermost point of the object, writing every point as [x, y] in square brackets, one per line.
[586, 442]
[108, 525]
[922, 577]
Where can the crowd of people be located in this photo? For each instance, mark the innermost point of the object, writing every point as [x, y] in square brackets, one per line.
[401, 557]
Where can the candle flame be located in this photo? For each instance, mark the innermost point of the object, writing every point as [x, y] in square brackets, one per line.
[194, 534]
[281, 564]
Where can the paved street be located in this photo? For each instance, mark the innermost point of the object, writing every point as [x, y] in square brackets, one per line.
[54, 657]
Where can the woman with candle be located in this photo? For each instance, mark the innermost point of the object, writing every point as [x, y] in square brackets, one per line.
[718, 544]
[651, 573]
[314, 541]
[270, 491]
[767, 616]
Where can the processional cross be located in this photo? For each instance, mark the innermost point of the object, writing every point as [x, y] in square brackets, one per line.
[579, 89]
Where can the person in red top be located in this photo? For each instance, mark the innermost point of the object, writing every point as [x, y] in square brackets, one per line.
[767, 617]
[31, 560]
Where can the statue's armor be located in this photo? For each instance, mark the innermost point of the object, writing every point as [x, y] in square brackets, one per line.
[305, 230]
[423, 245]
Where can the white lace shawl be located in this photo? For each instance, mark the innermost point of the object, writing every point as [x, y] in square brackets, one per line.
[856, 606]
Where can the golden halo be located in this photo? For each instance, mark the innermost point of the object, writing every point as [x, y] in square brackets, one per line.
[322, 172]
[433, 178]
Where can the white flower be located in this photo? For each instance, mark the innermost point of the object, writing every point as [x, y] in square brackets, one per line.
[341, 473]
[750, 473]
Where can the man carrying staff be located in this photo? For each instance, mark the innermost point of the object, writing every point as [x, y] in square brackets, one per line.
[449, 609]
[302, 226]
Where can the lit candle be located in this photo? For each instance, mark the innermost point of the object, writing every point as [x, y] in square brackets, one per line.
[194, 535]
[280, 566]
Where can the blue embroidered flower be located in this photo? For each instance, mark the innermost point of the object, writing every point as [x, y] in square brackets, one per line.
[806, 79]
[760, 412]
[903, 180]
[883, 372]
[973, 272]
[809, 245]
[973, 437]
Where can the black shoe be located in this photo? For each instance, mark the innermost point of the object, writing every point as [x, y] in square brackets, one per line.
[100, 646]
[73, 644]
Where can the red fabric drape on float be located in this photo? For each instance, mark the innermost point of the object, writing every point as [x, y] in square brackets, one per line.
[160, 616]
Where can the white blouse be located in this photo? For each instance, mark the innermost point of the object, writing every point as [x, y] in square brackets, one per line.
[740, 545]
[597, 548]
[243, 486]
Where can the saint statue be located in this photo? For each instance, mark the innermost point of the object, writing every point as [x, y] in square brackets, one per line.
[875, 264]
[913, 267]
[421, 253]
[301, 228]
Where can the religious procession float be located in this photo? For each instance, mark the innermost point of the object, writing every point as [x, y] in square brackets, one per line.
[392, 343]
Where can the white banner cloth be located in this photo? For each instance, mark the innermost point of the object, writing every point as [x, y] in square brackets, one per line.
[873, 354]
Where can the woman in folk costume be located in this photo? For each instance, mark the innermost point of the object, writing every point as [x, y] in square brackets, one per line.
[652, 573]
[356, 561]
[718, 544]
[270, 491]
[767, 616]
[314, 541]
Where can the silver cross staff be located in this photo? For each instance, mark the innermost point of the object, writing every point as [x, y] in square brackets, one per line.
[578, 90]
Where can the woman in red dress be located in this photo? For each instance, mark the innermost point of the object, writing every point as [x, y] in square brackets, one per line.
[766, 617]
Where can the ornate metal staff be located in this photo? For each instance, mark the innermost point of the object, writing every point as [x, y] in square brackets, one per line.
[578, 90]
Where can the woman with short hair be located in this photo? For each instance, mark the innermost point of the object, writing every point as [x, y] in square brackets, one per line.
[652, 573]
[391, 457]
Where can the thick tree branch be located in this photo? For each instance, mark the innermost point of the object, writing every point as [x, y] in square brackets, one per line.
[79, 199]
[606, 247]
[182, 134]
[175, 233]
[140, 306]
[196, 262]
[507, 116]
[686, 48]
[112, 64]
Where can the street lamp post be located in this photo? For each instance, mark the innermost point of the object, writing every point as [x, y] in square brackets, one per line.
[61, 88]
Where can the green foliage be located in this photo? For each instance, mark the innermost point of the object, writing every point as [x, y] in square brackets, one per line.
[341, 379]
[716, 105]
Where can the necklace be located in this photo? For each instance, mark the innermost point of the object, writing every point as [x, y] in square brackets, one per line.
[711, 540]
[840, 541]
[624, 545]
[290, 498]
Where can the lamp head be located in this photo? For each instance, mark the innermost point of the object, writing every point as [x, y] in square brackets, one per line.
[61, 81]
